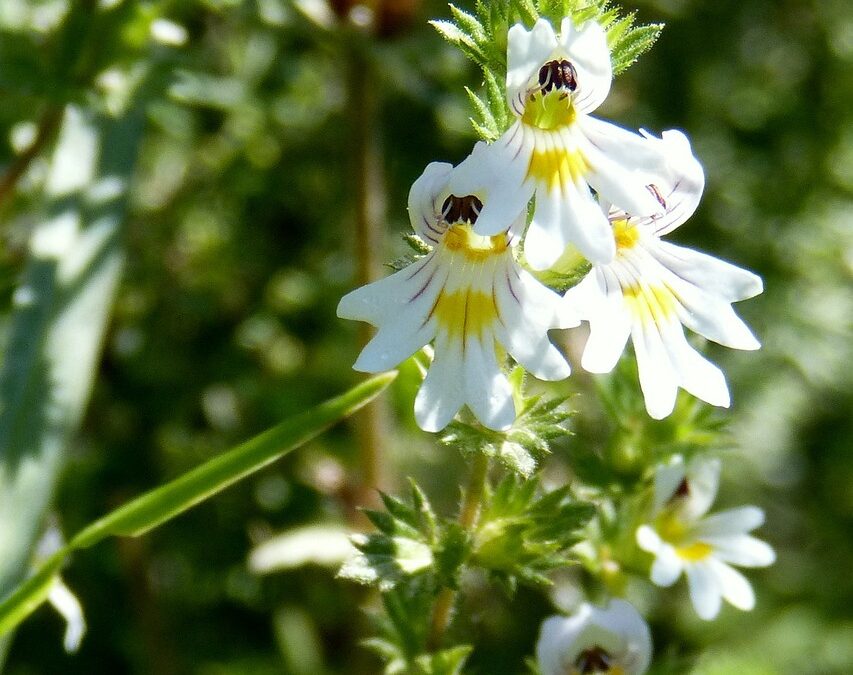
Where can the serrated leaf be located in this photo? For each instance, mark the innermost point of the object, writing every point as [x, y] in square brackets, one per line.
[469, 24]
[385, 561]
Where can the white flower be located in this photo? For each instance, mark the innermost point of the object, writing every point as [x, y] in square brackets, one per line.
[612, 640]
[652, 288]
[556, 150]
[683, 538]
[467, 294]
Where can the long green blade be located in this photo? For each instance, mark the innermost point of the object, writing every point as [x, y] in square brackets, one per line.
[166, 502]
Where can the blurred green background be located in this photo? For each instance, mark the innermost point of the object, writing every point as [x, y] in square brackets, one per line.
[247, 200]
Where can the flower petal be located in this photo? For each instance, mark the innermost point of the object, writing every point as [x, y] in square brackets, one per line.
[681, 183]
[648, 539]
[443, 391]
[598, 299]
[742, 550]
[705, 590]
[487, 391]
[496, 174]
[714, 276]
[586, 48]
[697, 375]
[735, 588]
[425, 199]
[528, 309]
[667, 567]
[567, 214]
[658, 379]
[732, 521]
[526, 52]
[623, 165]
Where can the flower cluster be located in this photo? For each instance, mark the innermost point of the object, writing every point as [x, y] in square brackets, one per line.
[605, 192]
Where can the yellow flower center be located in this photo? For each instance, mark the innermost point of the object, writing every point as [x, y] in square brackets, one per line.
[549, 111]
[673, 530]
[626, 234]
[694, 552]
[462, 239]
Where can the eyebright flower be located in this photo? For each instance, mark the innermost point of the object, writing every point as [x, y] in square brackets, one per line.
[652, 288]
[556, 151]
[466, 295]
[683, 538]
[612, 640]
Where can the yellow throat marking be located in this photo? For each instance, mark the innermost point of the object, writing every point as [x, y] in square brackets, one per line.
[466, 312]
[550, 111]
[557, 166]
[650, 303]
[626, 235]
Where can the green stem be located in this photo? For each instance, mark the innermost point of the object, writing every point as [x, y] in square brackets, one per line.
[468, 513]
[370, 198]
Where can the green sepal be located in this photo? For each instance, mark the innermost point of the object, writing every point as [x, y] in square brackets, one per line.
[523, 534]
[411, 542]
[540, 421]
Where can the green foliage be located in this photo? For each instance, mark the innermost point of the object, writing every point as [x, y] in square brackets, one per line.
[540, 421]
[522, 534]
[412, 541]
[482, 38]
[419, 249]
[164, 503]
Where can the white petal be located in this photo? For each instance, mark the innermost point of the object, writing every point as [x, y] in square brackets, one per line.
[735, 588]
[586, 49]
[658, 379]
[599, 299]
[70, 609]
[667, 567]
[527, 51]
[715, 276]
[742, 550]
[732, 521]
[487, 390]
[528, 309]
[648, 540]
[617, 628]
[705, 590]
[680, 184]
[393, 344]
[386, 298]
[623, 164]
[496, 174]
[697, 375]
[443, 391]
[703, 478]
[426, 196]
[566, 215]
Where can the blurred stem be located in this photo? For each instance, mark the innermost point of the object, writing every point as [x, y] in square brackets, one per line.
[370, 199]
[468, 513]
[47, 127]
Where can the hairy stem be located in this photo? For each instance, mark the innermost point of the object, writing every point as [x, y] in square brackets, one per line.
[468, 513]
[370, 198]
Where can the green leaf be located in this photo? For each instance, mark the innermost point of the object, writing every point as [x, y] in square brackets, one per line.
[445, 662]
[386, 561]
[172, 499]
[521, 536]
[539, 423]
